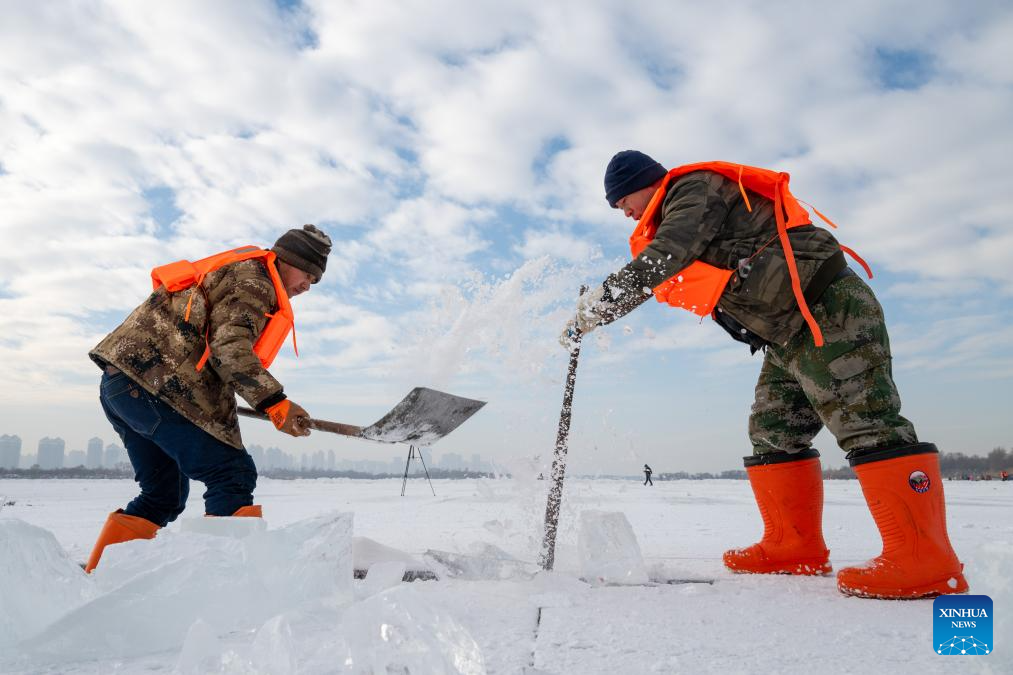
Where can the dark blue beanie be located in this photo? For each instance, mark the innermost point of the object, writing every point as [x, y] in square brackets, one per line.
[629, 171]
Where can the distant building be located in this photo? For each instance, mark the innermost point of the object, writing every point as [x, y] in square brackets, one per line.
[94, 460]
[257, 453]
[275, 458]
[75, 458]
[451, 461]
[113, 456]
[10, 452]
[51, 453]
[364, 466]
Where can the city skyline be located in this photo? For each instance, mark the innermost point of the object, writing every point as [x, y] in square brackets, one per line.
[51, 454]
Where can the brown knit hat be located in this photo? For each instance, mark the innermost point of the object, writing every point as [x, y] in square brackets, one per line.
[306, 249]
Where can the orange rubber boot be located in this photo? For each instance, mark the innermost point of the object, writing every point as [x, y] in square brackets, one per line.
[251, 511]
[789, 491]
[905, 494]
[119, 528]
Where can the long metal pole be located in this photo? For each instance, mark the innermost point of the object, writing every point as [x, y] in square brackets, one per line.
[548, 557]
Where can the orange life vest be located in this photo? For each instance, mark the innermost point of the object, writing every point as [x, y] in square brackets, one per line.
[699, 286]
[183, 274]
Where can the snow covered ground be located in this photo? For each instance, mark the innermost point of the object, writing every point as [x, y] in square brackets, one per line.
[269, 604]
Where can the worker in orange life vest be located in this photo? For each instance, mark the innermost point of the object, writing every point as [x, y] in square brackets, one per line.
[731, 242]
[171, 372]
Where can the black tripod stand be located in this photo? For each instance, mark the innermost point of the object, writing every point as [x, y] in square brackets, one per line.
[415, 454]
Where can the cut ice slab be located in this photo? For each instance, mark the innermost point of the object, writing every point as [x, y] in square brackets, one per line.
[486, 562]
[423, 417]
[156, 589]
[366, 553]
[39, 583]
[399, 631]
[609, 552]
[154, 611]
[201, 651]
[381, 576]
[236, 528]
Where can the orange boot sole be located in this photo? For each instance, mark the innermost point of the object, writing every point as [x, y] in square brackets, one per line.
[753, 560]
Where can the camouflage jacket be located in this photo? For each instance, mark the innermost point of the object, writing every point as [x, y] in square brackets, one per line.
[705, 218]
[159, 350]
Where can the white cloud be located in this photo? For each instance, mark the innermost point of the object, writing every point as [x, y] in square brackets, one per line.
[428, 237]
[408, 129]
[558, 245]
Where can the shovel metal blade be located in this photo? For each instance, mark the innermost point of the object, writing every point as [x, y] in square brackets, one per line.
[422, 418]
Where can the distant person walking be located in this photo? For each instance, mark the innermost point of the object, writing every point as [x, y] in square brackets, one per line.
[730, 242]
[1004, 475]
[171, 372]
[647, 476]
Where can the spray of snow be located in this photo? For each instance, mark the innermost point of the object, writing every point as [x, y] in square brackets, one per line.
[504, 327]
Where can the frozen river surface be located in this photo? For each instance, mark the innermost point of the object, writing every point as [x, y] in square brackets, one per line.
[187, 602]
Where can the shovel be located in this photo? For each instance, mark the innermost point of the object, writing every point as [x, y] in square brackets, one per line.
[423, 417]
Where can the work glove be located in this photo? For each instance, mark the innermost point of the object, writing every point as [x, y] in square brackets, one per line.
[289, 418]
[589, 315]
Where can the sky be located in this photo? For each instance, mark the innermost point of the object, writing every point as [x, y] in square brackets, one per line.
[454, 151]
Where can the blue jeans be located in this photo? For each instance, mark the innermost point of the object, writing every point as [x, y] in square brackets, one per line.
[166, 450]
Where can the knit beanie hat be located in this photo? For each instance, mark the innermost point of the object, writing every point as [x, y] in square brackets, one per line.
[629, 171]
[306, 249]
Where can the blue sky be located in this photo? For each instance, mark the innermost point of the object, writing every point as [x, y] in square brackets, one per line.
[455, 152]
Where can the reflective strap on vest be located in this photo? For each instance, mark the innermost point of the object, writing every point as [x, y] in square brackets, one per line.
[789, 258]
[742, 191]
[189, 302]
[857, 258]
[206, 355]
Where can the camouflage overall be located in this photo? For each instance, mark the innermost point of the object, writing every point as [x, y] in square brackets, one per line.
[846, 385]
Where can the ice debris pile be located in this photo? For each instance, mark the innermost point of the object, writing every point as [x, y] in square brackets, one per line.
[225, 595]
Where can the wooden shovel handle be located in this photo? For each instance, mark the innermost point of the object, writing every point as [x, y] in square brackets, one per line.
[319, 425]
